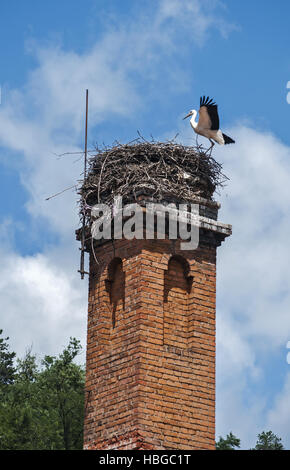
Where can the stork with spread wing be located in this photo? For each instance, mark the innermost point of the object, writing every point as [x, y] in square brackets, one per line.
[208, 123]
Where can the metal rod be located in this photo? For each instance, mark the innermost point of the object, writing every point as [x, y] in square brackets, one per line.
[86, 133]
[82, 262]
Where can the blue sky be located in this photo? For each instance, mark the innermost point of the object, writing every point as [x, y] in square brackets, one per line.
[145, 64]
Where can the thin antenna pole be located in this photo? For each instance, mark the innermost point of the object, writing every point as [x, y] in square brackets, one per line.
[86, 133]
[82, 263]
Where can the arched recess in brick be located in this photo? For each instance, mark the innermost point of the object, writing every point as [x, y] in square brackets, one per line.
[115, 286]
[177, 287]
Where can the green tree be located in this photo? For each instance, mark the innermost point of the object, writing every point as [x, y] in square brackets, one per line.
[7, 369]
[43, 407]
[61, 394]
[17, 423]
[229, 443]
[268, 441]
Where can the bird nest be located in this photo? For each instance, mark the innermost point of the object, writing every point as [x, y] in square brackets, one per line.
[161, 171]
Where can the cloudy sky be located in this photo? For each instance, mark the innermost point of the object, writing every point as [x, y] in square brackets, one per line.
[145, 64]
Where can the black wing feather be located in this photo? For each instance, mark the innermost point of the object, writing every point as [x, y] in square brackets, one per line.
[212, 110]
[214, 117]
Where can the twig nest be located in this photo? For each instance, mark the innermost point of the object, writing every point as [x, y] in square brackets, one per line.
[167, 171]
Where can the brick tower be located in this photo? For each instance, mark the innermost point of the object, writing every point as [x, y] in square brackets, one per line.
[150, 379]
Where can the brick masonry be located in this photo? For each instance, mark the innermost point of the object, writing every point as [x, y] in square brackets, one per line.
[150, 380]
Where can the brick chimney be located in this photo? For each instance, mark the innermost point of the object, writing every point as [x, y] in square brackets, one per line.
[150, 366]
[150, 377]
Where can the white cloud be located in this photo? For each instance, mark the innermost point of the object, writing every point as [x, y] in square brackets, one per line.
[253, 299]
[42, 304]
[254, 262]
[278, 416]
[238, 412]
[198, 17]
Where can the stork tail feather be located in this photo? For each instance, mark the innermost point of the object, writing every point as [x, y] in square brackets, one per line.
[228, 139]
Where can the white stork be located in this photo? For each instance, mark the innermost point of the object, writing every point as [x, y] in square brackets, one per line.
[208, 123]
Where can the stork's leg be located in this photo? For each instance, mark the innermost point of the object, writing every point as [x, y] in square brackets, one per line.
[211, 147]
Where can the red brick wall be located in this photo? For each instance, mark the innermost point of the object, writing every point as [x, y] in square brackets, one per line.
[151, 347]
[176, 299]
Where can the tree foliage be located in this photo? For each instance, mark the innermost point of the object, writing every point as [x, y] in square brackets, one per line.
[229, 443]
[7, 370]
[266, 441]
[269, 441]
[42, 405]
